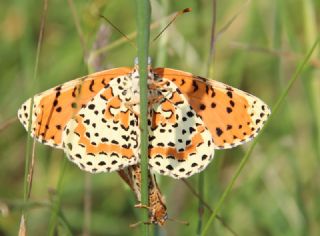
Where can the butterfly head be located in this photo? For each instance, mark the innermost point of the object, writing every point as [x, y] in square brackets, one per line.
[159, 215]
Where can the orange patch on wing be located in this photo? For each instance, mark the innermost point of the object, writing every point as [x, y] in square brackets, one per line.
[172, 151]
[113, 103]
[223, 112]
[167, 106]
[59, 105]
[176, 98]
[160, 119]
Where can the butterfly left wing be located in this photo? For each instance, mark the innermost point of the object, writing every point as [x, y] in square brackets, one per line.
[53, 108]
[104, 135]
[232, 116]
[179, 143]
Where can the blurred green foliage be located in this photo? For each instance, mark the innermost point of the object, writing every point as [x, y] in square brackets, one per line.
[278, 192]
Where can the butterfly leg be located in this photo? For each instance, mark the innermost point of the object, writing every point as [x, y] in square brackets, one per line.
[155, 99]
[154, 219]
[160, 86]
[139, 223]
[139, 205]
[164, 91]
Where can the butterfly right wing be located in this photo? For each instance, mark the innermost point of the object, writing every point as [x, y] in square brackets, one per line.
[232, 116]
[53, 108]
[179, 143]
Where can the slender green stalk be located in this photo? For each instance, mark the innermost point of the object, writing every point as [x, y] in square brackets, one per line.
[28, 170]
[57, 200]
[162, 51]
[200, 202]
[212, 38]
[279, 102]
[35, 75]
[78, 27]
[312, 84]
[143, 29]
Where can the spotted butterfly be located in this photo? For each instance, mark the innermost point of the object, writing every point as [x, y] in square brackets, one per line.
[95, 120]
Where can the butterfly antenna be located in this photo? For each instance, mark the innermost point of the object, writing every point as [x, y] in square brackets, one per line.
[186, 10]
[183, 222]
[119, 31]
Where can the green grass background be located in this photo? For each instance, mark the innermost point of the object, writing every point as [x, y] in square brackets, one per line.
[278, 191]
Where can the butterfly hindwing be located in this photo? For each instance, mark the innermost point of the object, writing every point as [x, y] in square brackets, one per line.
[104, 135]
[179, 143]
[232, 116]
[53, 108]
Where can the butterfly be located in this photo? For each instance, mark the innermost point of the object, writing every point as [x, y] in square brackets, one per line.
[95, 120]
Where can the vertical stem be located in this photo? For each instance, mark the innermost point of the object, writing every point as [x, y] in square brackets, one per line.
[212, 38]
[143, 29]
[27, 178]
[87, 205]
[28, 169]
[200, 203]
[163, 40]
[56, 203]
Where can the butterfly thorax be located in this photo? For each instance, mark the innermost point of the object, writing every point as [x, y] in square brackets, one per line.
[135, 87]
[135, 76]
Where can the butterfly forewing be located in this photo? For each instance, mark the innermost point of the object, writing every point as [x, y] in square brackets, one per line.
[53, 108]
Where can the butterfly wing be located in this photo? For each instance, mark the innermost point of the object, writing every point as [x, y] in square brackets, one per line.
[53, 108]
[179, 143]
[232, 116]
[104, 135]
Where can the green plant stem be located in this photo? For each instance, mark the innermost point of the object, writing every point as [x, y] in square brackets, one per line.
[143, 9]
[35, 75]
[28, 168]
[57, 200]
[279, 102]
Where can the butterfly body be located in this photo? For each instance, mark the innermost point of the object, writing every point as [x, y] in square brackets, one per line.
[95, 120]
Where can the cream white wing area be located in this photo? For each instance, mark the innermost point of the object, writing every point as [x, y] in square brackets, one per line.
[179, 143]
[104, 135]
